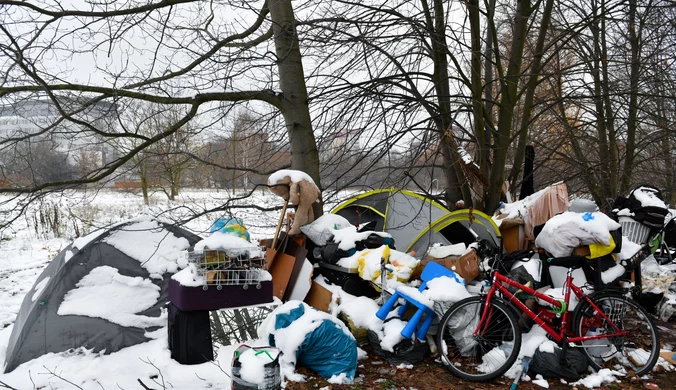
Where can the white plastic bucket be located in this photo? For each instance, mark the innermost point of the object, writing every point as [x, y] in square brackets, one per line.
[634, 230]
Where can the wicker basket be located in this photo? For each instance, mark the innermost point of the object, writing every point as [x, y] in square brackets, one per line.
[634, 230]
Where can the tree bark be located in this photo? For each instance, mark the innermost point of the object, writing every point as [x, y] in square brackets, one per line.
[508, 101]
[613, 161]
[632, 120]
[535, 71]
[457, 186]
[294, 106]
[481, 131]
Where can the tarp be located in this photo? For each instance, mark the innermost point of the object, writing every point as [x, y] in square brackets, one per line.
[416, 222]
[39, 330]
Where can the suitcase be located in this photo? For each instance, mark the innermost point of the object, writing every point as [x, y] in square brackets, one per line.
[190, 336]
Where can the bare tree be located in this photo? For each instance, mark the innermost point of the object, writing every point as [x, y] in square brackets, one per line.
[189, 55]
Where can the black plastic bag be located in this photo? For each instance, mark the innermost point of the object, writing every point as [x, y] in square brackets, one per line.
[407, 351]
[549, 364]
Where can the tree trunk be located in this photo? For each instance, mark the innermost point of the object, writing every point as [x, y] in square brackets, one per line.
[632, 120]
[613, 161]
[144, 184]
[508, 101]
[481, 131]
[535, 71]
[294, 108]
[457, 186]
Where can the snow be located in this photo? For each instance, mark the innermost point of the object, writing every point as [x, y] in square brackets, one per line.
[445, 289]
[81, 242]
[253, 363]
[39, 287]
[26, 249]
[416, 295]
[530, 342]
[189, 277]
[158, 250]
[341, 379]
[390, 335]
[295, 176]
[597, 379]
[104, 293]
[322, 229]
[347, 237]
[629, 249]
[362, 312]
[225, 241]
[69, 255]
[612, 273]
[520, 208]
[646, 196]
[540, 381]
[144, 361]
[442, 251]
[330, 222]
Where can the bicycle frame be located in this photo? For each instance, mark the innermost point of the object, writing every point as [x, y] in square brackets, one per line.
[498, 284]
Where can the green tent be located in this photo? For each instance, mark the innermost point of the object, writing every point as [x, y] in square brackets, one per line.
[416, 221]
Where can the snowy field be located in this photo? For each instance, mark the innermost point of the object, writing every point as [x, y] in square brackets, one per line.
[47, 227]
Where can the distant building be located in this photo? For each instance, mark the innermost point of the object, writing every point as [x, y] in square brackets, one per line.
[39, 120]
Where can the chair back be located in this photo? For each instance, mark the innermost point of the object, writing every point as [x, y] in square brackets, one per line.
[434, 270]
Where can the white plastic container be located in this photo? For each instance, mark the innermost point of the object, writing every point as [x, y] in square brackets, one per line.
[634, 230]
[558, 275]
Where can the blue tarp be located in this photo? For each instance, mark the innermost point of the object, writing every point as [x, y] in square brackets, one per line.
[327, 350]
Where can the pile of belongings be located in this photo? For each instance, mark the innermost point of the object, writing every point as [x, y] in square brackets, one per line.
[354, 258]
[645, 205]
[583, 231]
[335, 238]
[659, 283]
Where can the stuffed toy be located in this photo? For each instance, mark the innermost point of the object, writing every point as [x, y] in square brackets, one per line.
[300, 190]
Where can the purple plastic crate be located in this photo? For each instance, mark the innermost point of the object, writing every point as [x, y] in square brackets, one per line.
[197, 298]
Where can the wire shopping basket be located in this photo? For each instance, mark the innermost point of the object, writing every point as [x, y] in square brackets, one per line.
[227, 268]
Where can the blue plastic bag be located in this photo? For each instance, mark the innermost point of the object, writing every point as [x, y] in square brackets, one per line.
[327, 350]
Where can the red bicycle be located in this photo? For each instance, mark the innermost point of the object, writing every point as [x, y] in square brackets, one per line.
[479, 337]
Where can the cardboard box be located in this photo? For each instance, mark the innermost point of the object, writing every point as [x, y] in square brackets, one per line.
[319, 297]
[510, 238]
[466, 265]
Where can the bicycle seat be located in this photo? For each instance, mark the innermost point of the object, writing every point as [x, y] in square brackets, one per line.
[568, 261]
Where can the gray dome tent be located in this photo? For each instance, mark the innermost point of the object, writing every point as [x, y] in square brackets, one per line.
[153, 251]
[416, 221]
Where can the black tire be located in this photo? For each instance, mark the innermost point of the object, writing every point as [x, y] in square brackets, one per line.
[466, 356]
[630, 351]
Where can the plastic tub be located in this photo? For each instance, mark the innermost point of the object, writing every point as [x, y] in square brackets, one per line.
[634, 230]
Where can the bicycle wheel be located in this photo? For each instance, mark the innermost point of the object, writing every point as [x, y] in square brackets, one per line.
[637, 351]
[483, 357]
